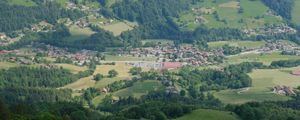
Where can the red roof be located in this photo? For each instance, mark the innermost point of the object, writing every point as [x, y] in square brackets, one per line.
[296, 72]
[172, 65]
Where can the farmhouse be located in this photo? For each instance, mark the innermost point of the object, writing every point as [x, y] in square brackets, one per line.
[2, 36]
[296, 72]
[284, 90]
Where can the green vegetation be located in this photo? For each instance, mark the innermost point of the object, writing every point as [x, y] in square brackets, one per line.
[263, 80]
[118, 28]
[206, 114]
[140, 88]
[78, 33]
[227, 13]
[27, 3]
[264, 58]
[241, 44]
[295, 12]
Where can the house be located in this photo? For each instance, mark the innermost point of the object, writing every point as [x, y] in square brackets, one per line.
[171, 65]
[2, 36]
[296, 72]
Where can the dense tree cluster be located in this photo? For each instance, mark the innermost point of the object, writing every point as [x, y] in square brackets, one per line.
[281, 7]
[285, 63]
[18, 17]
[233, 76]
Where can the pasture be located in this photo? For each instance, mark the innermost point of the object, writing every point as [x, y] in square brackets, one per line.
[227, 11]
[295, 12]
[73, 68]
[139, 89]
[242, 44]
[207, 114]
[263, 80]
[78, 33]
[6, 65]
[264, 58]
[119, 27]
[82, 83]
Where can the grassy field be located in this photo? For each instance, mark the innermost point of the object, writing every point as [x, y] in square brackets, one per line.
[228, 10]
[78, 33]
[206, 114]
[82, 83]
[73, 68]
[121, 68]
[6, 65]
[128, 58]
[264, 58]
[295, 12]
[262, 83]
[119, 27]
[247, 44]
[27, 3]
[139, 89]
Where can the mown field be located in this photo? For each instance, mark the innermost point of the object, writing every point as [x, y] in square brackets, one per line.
[243, 44]
[262, 83]
[254, 15]
[140, 88]
[73, 68]
[206, 114]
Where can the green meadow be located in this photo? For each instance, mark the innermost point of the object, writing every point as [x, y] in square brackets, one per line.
[295, 12]
[243, 44]
[254, 15]
[263, 80]
[27, 3]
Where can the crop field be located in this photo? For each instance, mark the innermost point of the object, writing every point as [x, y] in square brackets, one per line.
[264, 58]
[139, 89]
[227, 11]
[27, 3]
[247, 44]
[207, 114]
[295, 12]
[78, 33]
[128, 58]
[119, 27]
[263, 81]
[73, 68]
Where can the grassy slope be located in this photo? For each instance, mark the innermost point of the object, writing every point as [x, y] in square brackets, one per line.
[26, 3]
[139, 89]
[228, 10]
[117, 28]
[295, 12]
[206, 114]
[263, 81]
[78, 33]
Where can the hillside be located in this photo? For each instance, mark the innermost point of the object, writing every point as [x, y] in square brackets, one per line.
[149, 59]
